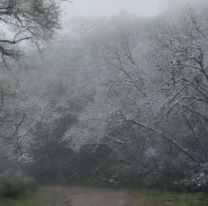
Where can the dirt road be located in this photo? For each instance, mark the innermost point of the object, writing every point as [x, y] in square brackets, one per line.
[87, 196]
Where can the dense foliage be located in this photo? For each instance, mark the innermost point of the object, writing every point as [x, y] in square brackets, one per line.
[124, 103]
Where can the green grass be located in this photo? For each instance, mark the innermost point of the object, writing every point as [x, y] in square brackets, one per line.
[34, 199]
[159, 198]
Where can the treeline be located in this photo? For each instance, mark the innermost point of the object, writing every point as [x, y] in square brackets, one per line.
[123, 102]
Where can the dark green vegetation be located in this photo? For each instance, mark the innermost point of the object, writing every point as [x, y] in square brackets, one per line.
[15, 188]
[29, 199]
[19, 192]
[159, 198]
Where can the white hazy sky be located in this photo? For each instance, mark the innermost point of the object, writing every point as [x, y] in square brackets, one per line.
[108, 8]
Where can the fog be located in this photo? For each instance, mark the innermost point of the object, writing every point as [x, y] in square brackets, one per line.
[109, 8]
[104, 95]
[98, 9]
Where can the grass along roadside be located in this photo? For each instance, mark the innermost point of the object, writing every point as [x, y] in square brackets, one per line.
[33, 199]
[160, 198]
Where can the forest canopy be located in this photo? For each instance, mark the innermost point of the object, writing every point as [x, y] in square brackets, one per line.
[122, 102]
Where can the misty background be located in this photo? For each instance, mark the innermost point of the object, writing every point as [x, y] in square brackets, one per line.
[111, 93]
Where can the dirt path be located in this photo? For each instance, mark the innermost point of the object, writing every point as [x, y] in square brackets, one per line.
[87, 196]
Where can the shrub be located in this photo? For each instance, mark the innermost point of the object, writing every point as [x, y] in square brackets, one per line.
[15, 188]
[198, 180]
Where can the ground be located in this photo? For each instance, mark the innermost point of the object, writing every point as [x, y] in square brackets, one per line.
[93, 196]
[90, 196]
[87, 196]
